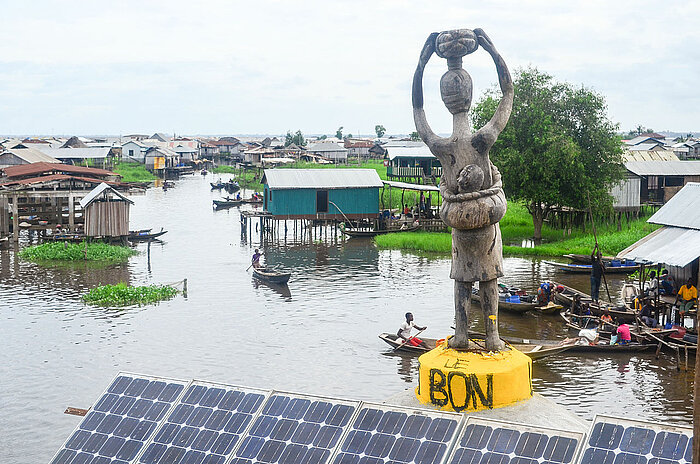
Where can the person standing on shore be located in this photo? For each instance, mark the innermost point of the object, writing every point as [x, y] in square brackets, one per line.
[597, 269]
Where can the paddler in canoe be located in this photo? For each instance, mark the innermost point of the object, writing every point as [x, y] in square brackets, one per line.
[405, 332]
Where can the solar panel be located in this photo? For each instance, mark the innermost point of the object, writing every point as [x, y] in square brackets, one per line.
[486, 441]
[205, 426]
[122, 421]
[625, 441]
[295, 429]
[389, 434]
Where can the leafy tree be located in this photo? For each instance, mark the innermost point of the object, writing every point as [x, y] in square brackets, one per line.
[323, 137]
[297, 138]
[639, 130]
[349, 136]
[380, 130]
[558, 146]
[415, 136]
[339, 133]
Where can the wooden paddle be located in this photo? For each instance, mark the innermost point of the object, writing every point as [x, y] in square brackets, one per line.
[595, 237]
[408, 340]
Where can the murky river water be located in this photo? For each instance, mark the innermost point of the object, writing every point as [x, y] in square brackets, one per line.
[319, 337]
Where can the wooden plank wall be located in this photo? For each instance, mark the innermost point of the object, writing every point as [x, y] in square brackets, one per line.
[107, 219]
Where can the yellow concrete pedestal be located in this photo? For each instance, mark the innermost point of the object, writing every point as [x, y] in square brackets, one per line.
[471, 381]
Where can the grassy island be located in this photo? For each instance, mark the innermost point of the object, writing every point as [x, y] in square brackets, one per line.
[123, 295]
[517, 226]
[66, 252]
[134, 172]
[224, 169]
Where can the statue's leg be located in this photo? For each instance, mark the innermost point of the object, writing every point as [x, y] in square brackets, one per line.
[488, 293]
[463, 292]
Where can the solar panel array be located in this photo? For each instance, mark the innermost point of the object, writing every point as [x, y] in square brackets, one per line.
[387, 434]
[122, 421]
[296, 429]
[206, 424]
[489, 441]
[615, 440]
[153, 420]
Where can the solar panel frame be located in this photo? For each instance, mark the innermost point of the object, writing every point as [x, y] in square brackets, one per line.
[150, 378]
[496, 424]
[300, 396]
[685, 455]
[411, 412]
[227, 387]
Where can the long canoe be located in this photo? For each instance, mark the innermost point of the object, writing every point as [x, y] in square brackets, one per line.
[586, 268]
[144, 236]
[586, 259]
[221, 204]
[566, 298]
[534, 351]
[373, 233]
[270, 275]
[522, 307]
[600, 348]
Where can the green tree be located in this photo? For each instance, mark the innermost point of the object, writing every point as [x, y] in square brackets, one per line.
[380, 130]
[323, 137]
[415, 136]
[339, 133]
[557, 147]
[297, 138]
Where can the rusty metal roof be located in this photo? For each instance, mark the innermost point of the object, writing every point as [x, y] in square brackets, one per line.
[682, 210]
[40, 168]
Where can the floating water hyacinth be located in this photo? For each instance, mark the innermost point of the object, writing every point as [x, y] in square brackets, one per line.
[64, 251]
[124, 295]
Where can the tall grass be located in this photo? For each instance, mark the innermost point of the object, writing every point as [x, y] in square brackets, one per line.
[224, 169]
[133, 172]
[64, 251]
[123, 295]
[517, 226]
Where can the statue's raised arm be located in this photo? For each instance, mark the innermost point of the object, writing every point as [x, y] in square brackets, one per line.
[500, 117]
[422, 126]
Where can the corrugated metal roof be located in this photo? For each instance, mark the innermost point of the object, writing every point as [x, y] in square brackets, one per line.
[99, 190]
[40, 168]
[674, 246]
[683, 210]
[326, 146]
[31, 155]
[76, 153]
[645, 155]
[421, 151]
[645, 146]
[321, 178]
[664, 168]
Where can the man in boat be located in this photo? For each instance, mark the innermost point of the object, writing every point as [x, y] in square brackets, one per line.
[597, 269]
[688, 297]
[544, 293]
[653, 289]
[647, 313]
[666, 283]
[405, 332]
[255, 261]
[238, 196]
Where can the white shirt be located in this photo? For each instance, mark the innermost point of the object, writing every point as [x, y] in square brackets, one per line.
[405, 329]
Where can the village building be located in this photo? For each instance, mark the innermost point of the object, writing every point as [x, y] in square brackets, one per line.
[186, 154]
[330, 150]
[327, 194]
[134, 152]
[676, 245]
[358, 149]
[40, 196]
[20, 156]
[690, 149]
[157, 159]
[412, 162]
[659, 181]
[92, 157]
[106, 213]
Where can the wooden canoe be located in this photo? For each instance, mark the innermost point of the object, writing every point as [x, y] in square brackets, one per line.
[142, 237]
[601, 348]
[373, 233]
[586, 268]
[270, 275]
[522, 307]
[534, 351]
[586, 259]
[221, 204]
[566, 298]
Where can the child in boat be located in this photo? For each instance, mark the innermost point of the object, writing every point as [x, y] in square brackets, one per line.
[606, 317]
[255, 261]
[405, 332]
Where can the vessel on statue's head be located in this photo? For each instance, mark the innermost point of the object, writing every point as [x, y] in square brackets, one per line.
[474, 203]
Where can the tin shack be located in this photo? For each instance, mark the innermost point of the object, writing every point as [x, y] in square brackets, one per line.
[328, 194]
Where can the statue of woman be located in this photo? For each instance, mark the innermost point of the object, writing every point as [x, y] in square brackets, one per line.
[470, 185]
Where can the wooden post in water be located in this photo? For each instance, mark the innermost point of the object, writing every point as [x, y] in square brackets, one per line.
[15, 219]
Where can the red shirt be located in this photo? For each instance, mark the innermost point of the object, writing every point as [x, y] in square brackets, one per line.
[624, 331]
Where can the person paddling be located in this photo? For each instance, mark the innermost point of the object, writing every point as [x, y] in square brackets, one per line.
[255, 261]
[405, 332]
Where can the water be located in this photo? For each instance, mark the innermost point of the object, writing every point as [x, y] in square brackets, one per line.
[317, 336]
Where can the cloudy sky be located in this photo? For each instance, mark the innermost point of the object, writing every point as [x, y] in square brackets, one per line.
[266, 66]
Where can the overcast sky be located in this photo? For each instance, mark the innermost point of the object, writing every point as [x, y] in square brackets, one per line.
[264, 66]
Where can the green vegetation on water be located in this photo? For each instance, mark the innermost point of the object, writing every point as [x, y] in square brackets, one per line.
[133, 172]
[224, 169]
[65, 251]
[517, 226]
[123, 295]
